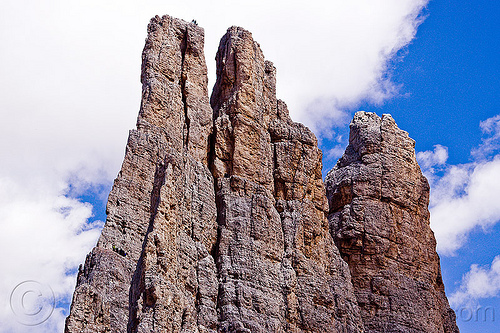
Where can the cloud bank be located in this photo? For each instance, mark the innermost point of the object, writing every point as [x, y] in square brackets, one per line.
[70, 91]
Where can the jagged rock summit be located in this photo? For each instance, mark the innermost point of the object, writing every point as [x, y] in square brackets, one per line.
[379, 219]
[219, 221]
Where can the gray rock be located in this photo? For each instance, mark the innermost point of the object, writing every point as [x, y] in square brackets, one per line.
[152, 269]
[379, 220]
[279, 270]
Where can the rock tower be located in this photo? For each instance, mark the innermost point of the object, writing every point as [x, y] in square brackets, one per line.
[219, 221]
[379, 219]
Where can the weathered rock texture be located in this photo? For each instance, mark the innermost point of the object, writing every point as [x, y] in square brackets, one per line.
[217, 221]
[160, 265]
[380, 222]
[161, 210]
[278, 268]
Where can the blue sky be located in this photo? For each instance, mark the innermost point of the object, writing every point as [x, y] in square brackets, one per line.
[70, 91]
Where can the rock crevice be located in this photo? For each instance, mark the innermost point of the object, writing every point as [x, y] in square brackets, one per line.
[276, 260]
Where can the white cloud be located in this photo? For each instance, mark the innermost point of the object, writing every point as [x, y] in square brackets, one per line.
[465, 196]
[479, 282]
[70, 91]
[334, 153]
[491, 128]
[437, 157]
[432, 160]
[44, 238]
[341, 50]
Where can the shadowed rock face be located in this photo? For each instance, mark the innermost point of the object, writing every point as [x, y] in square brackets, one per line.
[217, 221]
[161, 210]
[380, 222]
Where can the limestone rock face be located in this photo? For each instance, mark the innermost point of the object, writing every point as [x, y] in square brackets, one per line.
[152, 269]
[379, 220]
[217, 220]
[278, 268]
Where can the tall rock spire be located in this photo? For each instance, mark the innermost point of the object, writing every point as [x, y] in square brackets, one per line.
[278, 268]
[380, 222]
[151, 270]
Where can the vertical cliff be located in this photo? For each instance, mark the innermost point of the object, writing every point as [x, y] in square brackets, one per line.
[218, 220]
[152, 269]
[380, 222]
[278, 268]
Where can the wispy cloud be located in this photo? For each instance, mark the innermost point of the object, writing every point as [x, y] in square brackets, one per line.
[433, 161]
[334, 153]
[491, 143]
[480, 282]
